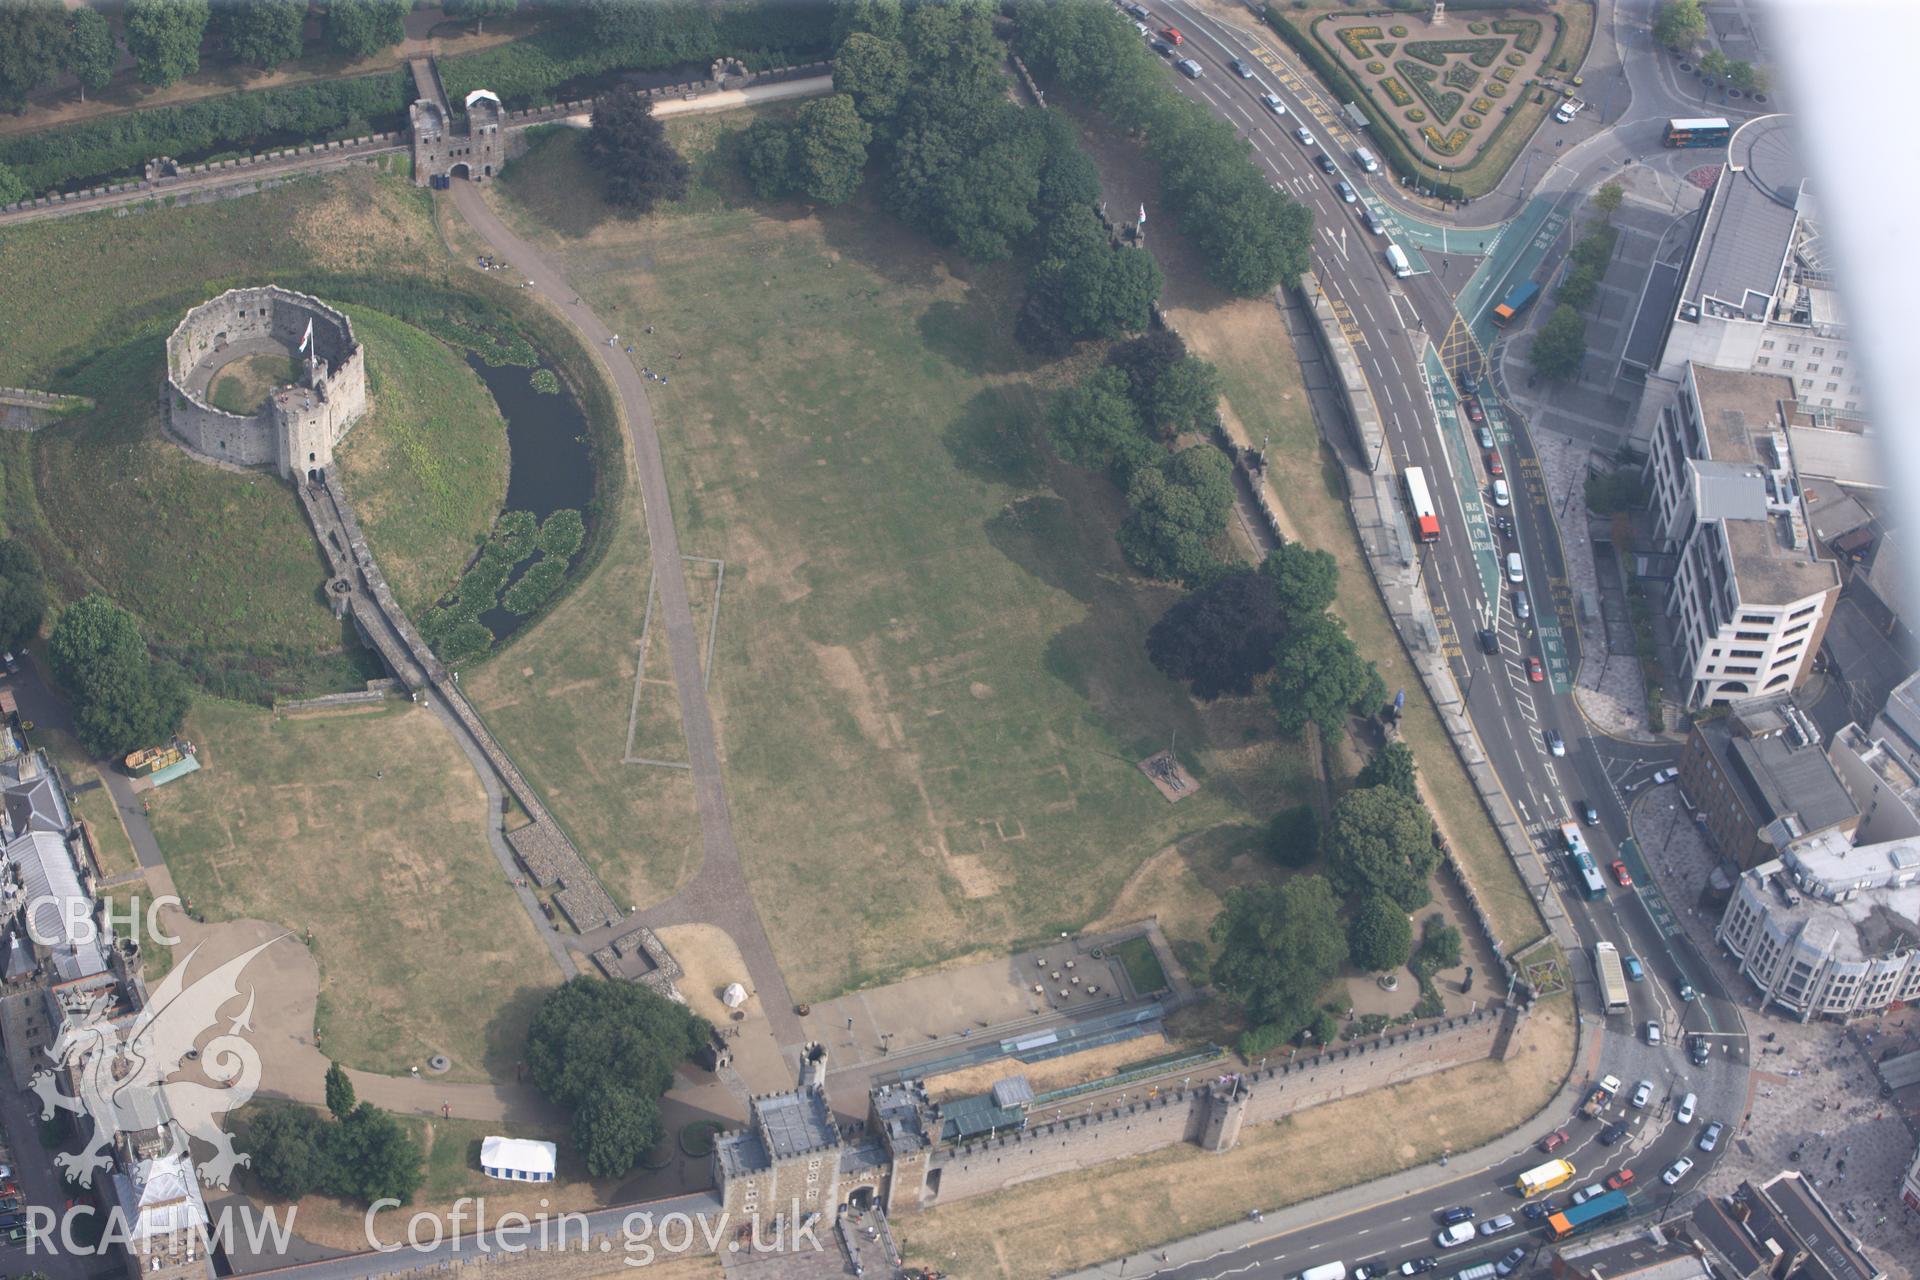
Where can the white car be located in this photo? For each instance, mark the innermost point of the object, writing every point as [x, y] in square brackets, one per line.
[1677, 1170]
[1501, 498]
[1272, 103]
[1653, 1032]
[1685, 1114]
[1303, 137]
[1457, 1234]
[1642, 1093]
[1665, 775]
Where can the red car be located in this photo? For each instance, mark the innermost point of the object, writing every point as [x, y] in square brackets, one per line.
[1624, 1178]
[1535, 672]
[1620, 874]
[1554, 1141]
[1472, 405]
[1493, 465]
[1172, 35]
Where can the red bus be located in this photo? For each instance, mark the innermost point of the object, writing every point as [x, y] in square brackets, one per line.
[1426, 521]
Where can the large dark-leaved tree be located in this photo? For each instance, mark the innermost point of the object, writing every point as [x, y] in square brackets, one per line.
[1094, 425]
[164, 38]
[360, 28]
[122, 698]
[33, 36]
[629, 147]
[90, 51]
[1176, 392]
[1304, 578]
[1391, 766]
[1220, 638]
[23, 594]
[1280, 945]
[1380, 840]
[1379, 934]
[606, 1051]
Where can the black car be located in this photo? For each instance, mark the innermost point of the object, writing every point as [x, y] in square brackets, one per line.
[1613, 1133]
[1241, 69]
[1589, 814]
[1697, 1050]
[1469, 381]
[1415, 1266]
[1325, 162]
[1162, 48]
[1454, 1214]
[1489, 642]
[1372, 1270]
[1540, 1210]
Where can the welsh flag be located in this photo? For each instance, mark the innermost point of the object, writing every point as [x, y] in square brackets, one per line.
[306, 339]
[1143, 222]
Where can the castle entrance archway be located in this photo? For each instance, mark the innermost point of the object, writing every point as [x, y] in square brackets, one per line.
[461, 170]
[861, 1200]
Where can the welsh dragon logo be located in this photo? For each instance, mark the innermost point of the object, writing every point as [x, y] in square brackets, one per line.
[119, 1074]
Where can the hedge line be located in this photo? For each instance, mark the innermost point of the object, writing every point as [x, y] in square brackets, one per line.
[78, 155]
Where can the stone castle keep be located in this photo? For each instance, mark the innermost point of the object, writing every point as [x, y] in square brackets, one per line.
[902, 1156]
[296, 431]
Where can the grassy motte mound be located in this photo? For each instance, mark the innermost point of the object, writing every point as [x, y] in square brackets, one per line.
[427, 468]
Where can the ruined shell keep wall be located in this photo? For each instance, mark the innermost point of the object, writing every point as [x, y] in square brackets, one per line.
[295, 433]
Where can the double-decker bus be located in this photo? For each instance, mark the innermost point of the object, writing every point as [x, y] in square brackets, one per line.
[1426, 521]
[1710, 131]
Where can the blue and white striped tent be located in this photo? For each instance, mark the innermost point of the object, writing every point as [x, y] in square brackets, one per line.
[517, 1159]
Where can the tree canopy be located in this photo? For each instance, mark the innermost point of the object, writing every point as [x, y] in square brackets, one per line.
[1391, 766]
[360, 28]
[606, 1051]
[1379, 934]
[164, 38]
[1280, 945]
[1380, 840]
[1560, 347]
[90, 52]
[1086, 286]
[873, 71]
[628, 145]
[23, 592]
[33, 38]
[1094, 425]
[1319, 677]
[1219, 638]
[1679, 24]
[260, 33]
[341, 1099]
[1176, 509]
[1176, 392]
[829, 149]
[1304, 579]
[363, 1155]
[122, 698]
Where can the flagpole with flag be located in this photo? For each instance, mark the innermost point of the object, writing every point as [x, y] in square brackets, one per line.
[306, 344]
[1140, 230]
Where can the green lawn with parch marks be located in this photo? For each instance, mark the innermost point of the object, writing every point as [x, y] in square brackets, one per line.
[367, 827]
[930, 679]
[1143, 967]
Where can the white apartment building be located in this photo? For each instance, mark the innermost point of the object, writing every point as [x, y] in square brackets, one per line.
[1757, 292]
[1829, 929]
[1752, 591]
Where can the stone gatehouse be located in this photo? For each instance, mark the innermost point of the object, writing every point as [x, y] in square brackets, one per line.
[296, 431]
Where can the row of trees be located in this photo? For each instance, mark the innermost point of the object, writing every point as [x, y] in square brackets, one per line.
[1127, 419]
[1252, 236]
[1560, 346]
[1682, 24]
[23, 595]
[41, 40]
[358, 1153]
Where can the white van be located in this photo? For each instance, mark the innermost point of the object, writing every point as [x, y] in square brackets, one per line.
[1457, 1234]
[1685, 1114]
[1397, 259]
[1516, 572]
[1500, 495]
[1485, 1271]
[1326, 1271]
[1366, 160]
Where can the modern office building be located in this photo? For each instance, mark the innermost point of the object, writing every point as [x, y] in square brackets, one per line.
[1829, 928]
[1752, 591]
[1760, 780]
[1884, 787]
[1756, 293]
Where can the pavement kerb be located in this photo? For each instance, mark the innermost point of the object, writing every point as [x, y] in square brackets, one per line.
[1363, 1197]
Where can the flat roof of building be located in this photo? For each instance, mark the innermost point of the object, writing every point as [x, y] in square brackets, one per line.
[1749, 222]
[1869, 924]
[1770, 570]
[796, 1122]
[1645, 1254]
[1740, 412]
[1831, 510]
[1776, 775]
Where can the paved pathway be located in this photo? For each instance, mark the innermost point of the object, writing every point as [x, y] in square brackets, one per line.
[718, 893]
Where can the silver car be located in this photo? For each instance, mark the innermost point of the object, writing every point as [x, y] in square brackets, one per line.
[1711, 1137]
